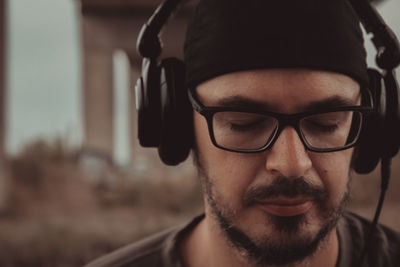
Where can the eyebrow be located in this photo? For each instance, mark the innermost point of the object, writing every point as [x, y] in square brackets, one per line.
[330, 102]
[244, 102]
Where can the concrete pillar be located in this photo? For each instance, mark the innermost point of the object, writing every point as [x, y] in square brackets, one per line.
[134, 75]
[97, 93]
[137, 152]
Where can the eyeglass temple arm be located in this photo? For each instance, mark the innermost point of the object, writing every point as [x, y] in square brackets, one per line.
[195, 103]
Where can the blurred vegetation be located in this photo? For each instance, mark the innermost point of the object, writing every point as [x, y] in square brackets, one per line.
[63, 212]
[60, 212]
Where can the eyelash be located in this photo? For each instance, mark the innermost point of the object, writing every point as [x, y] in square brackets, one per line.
[325, 128]
[243, 127]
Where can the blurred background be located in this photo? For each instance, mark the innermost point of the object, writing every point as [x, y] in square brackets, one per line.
[74, 182]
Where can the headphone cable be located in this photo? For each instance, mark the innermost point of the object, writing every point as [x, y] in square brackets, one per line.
[385, 174]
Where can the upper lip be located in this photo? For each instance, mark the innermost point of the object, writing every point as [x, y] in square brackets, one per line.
[281, 201]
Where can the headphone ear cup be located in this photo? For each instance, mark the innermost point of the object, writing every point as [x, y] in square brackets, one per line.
[368, 150]
[148, 105]
[176, 113]
[391, 129]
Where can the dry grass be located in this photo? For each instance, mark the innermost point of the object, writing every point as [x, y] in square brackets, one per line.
[60, 213]
[57, 216]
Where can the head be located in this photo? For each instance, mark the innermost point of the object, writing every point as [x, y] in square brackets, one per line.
[243, 191]
[276, 204]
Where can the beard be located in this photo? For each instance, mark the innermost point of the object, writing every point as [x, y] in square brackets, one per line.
[292, 245]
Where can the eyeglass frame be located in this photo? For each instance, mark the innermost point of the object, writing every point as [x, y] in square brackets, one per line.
[284, 120]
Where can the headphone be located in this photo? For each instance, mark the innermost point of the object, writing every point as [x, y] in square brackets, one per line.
[380, 139]
[165, 113]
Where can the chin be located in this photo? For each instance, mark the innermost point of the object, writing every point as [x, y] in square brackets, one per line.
[266, 239]
[260, 226]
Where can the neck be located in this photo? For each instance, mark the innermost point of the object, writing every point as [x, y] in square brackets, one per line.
[205, 245]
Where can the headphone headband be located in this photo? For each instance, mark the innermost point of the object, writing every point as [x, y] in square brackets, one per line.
[149, 44]
[384, 40]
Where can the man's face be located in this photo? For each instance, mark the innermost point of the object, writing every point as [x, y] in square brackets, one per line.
[277, 205]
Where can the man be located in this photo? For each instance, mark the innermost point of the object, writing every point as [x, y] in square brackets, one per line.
[279, 96]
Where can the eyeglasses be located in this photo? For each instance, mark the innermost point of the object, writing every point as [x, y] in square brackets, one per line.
[248, 130]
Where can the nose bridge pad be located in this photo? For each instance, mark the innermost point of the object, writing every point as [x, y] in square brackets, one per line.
[288, 156]
[294, 133]
[294, 125]
[292, 145]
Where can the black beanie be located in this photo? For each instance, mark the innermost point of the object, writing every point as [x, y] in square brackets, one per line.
[232, 35]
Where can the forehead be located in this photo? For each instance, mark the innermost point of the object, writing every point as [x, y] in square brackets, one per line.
[283, 90]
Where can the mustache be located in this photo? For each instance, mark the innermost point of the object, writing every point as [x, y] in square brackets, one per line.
[285, 187]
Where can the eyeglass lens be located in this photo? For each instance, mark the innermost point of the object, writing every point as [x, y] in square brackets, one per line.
[250, 131]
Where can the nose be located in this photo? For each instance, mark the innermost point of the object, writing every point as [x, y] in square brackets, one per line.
[288, 156]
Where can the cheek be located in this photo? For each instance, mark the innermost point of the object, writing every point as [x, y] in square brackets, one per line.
[333, 170]
[230, 172]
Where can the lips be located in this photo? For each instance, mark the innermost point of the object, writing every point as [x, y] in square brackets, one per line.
[286, 207]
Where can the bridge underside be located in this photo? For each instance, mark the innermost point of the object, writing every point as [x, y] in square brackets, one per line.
[108, 26]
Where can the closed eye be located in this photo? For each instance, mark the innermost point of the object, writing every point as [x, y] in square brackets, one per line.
[321, 127]
[247, 126]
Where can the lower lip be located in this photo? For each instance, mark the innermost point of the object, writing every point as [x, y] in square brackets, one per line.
[286, 210]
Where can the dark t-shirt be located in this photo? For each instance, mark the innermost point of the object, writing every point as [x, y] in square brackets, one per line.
[161, 250]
